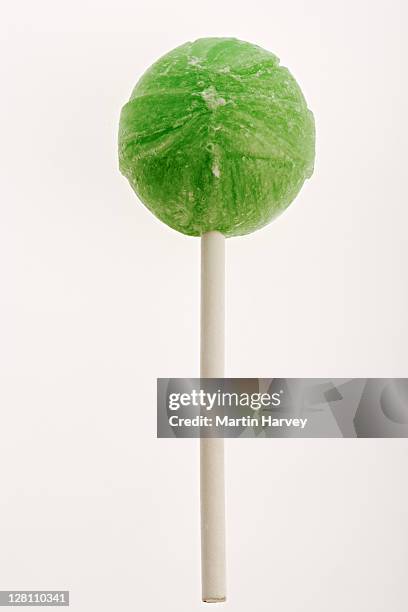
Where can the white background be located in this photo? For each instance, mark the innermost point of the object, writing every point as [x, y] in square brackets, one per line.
[98, 298]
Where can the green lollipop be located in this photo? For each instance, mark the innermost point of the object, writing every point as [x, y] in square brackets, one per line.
[216, 136]
[216, 140]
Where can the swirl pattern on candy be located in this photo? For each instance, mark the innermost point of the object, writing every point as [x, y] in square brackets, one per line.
[216, 136]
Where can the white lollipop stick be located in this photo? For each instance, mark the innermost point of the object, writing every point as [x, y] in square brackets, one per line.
[212, 449]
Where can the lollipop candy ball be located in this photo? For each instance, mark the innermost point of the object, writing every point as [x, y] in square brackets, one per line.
[216, 136]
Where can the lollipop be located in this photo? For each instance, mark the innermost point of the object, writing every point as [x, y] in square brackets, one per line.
[216, 140]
